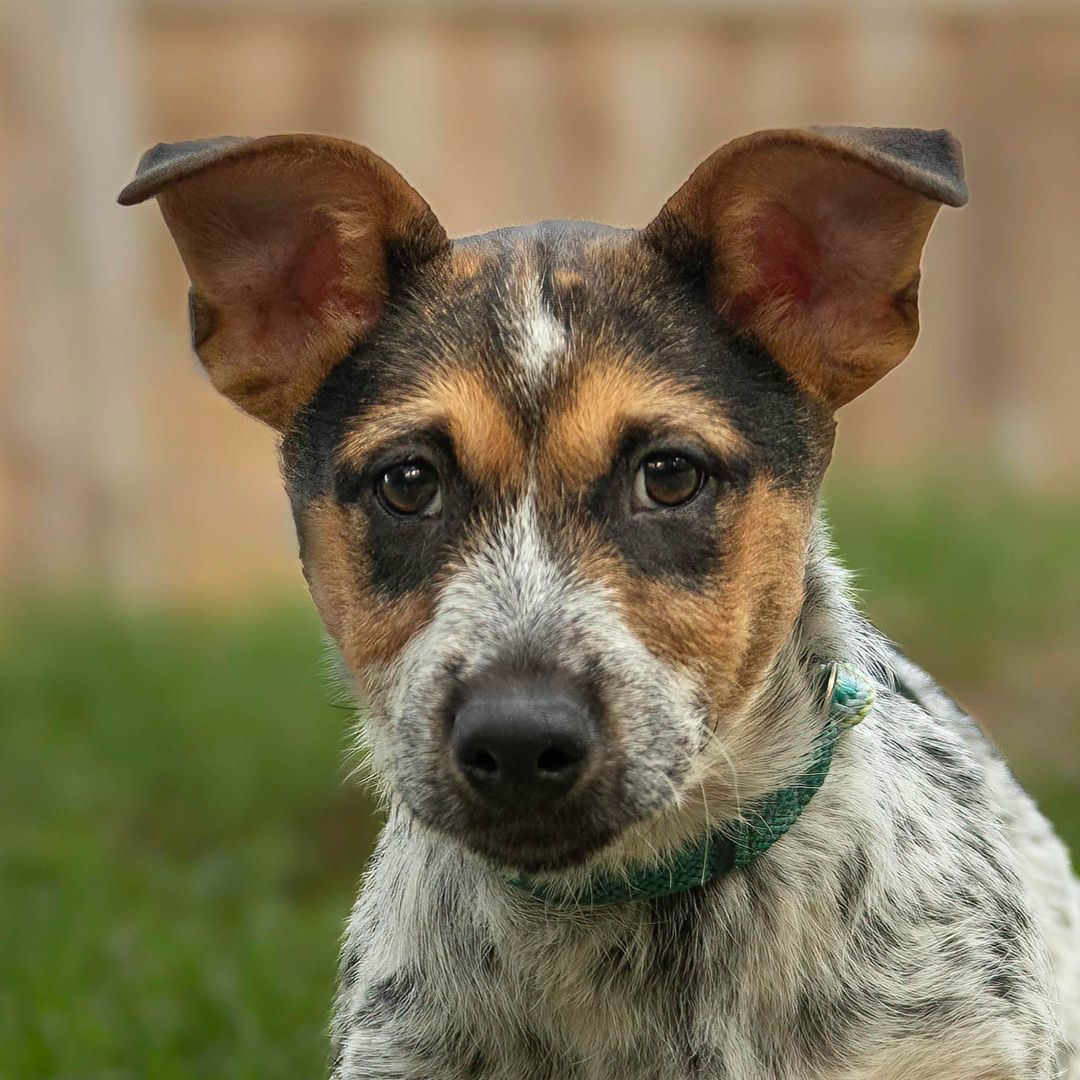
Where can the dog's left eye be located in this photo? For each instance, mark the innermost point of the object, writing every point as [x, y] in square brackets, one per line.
[410, 489]
[665, 479]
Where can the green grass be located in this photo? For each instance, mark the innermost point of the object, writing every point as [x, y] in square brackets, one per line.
[975, 575]
[177, 851]
[980, 584]
[178, 848]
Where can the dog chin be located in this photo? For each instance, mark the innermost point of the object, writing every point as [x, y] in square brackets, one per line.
[531, 847]
[537, 855]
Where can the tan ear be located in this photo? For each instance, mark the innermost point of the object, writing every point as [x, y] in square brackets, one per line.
[286, 240]
[813, 240]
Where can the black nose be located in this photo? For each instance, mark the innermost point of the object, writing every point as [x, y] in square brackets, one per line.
[523, 743]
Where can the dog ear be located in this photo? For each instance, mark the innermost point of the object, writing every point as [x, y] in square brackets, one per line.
[289, 242]
[812, 242]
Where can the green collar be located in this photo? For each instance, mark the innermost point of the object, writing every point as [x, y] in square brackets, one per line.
[736, 844]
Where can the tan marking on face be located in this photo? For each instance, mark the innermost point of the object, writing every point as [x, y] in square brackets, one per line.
[566, 279]
[726, 632]
[467, 263]
[610, 396]
[368, 628]
[487, 448]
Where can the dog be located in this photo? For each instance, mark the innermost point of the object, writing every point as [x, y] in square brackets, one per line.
[555, 489]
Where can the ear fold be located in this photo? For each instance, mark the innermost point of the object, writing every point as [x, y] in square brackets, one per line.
[813, 240]
[285, 240]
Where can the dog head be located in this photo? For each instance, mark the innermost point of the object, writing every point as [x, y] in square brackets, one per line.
[553, 485]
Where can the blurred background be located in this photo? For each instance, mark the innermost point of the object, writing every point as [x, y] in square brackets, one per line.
[179, 836]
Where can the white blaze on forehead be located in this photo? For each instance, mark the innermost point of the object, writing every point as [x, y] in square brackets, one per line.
[537, 334]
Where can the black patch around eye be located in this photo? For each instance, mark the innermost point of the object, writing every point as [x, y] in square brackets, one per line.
[406, 551]
[679, 543]
[350, 485]
[403, 551]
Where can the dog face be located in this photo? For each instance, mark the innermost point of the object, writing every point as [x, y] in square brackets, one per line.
[553, 485]
[524, 490]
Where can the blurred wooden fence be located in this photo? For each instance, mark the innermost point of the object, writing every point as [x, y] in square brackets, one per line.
[117, 462]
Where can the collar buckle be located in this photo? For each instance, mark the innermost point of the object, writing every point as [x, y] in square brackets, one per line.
[850, 697]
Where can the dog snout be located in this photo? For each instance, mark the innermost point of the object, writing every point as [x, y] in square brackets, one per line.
[523, 743]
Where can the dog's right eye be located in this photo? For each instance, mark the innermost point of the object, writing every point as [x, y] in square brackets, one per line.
[410, 489]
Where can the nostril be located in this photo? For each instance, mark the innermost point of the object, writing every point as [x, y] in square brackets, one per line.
[555, 760]
[480, 761]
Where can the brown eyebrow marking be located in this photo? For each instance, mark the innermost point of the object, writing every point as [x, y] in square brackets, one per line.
[487, 446]
[613, 395]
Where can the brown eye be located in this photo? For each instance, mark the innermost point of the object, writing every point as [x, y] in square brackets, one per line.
[665, 479]
[410, 489]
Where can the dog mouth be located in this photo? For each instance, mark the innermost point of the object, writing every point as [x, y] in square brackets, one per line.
[529, 839]
[540, 846]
